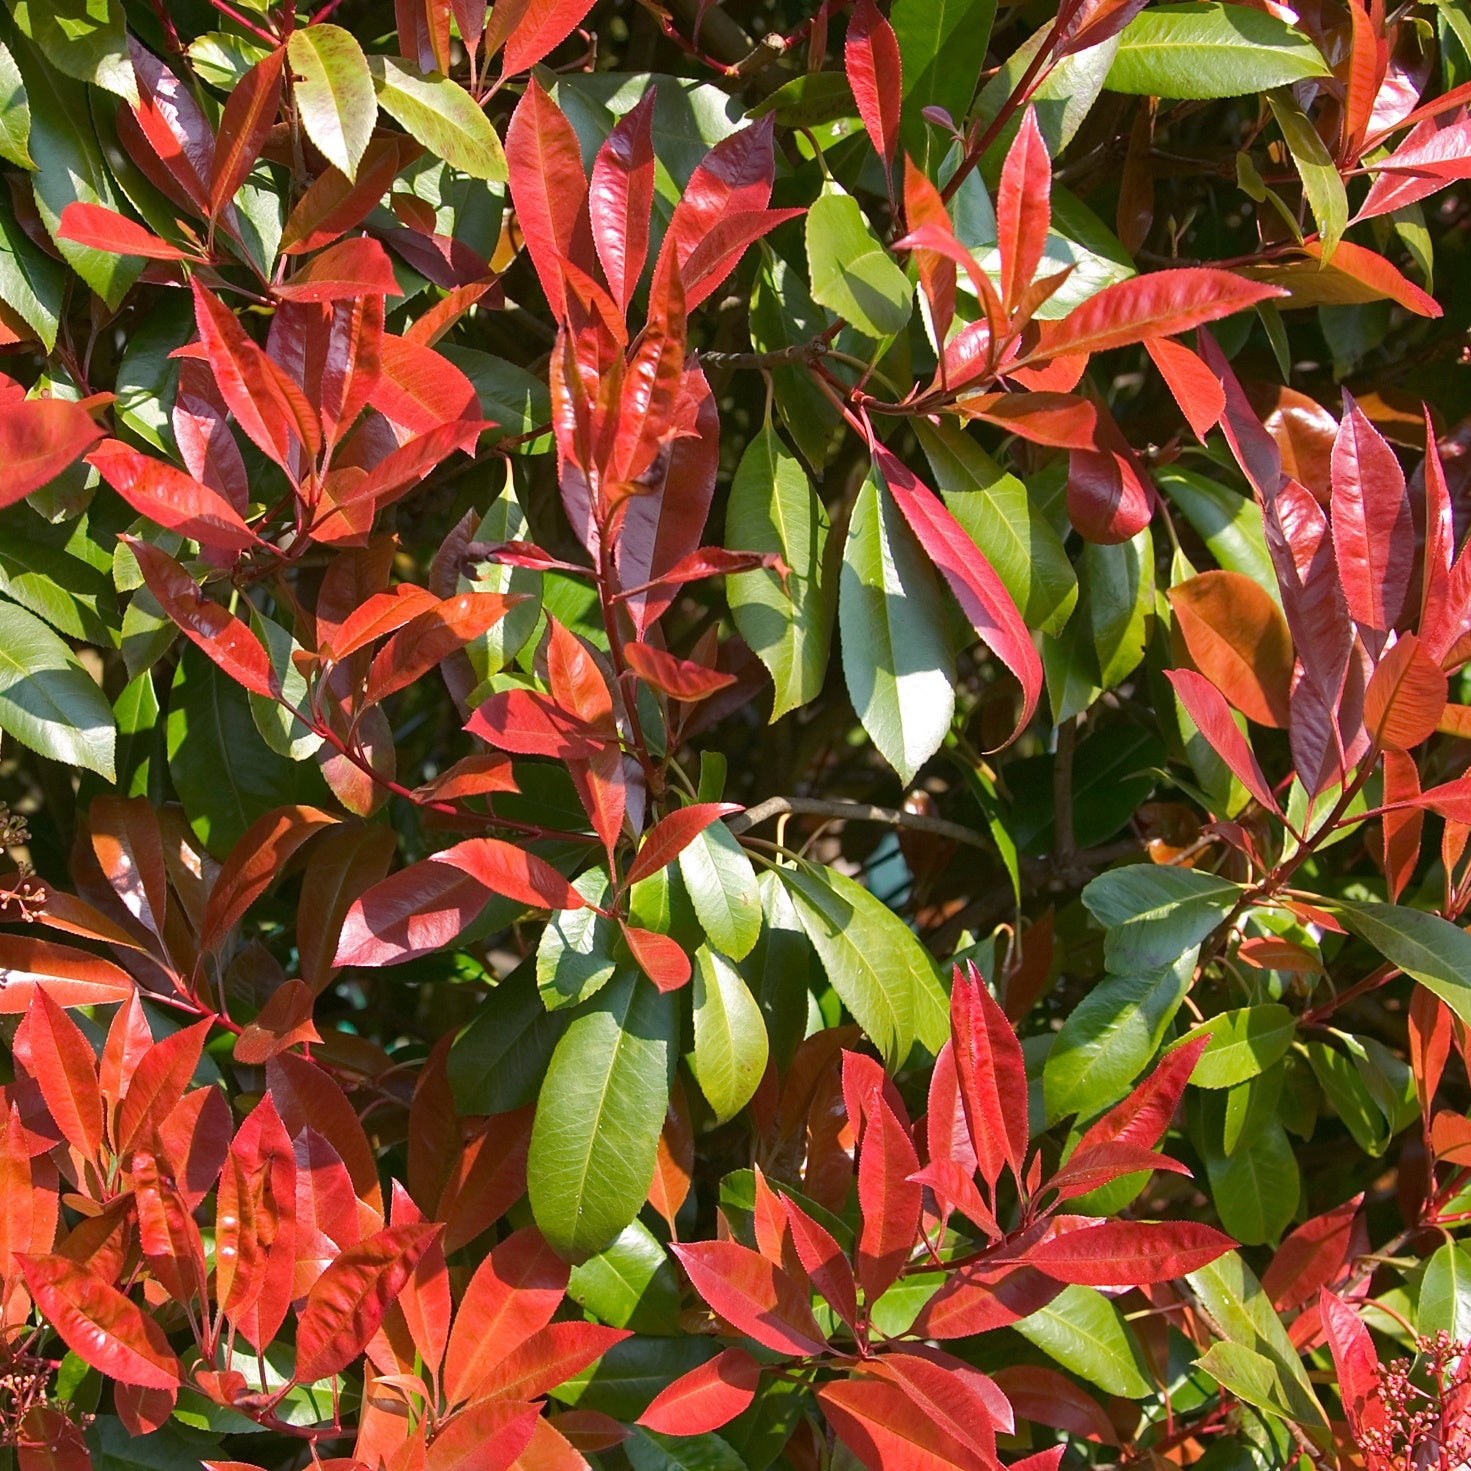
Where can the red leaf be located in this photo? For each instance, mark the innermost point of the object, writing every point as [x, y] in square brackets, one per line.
[267, 405]
[1023, 209]
[1144, 1116]
[513, 873]
[341, 867]
[39, 438]
[1047, 1397]
[1161, 304]
[961, 1400]
[1091, 1169]
[549, 1357]
[1406, 696]
[886, 1430]
[282, 1022]
[975, 1301]
[548, 186]
[104, 229]
[1195, 388]
[308, 1097]
[707, 1397]
[60, 1059]
[255, 861]
[734, 177]
[1207, 707]
[158, 1083]
[980, 593]
[69, 977]
[1356, 1366]
[759, 1299]
[871, 59]
[485, 1437]
[250, 110]
[512, 1295]
[1236, 636]
[528, 723]
[1403, 824]
[351, 268]
[376, 617]
[992, 1075]
[680, 679]
[671, 835]
[1060, 420]
[173, 125]
[335, 203]
[720, 250]
[1136, 1253]
[1107, 499]
[1378, 275]
[1312, 1256]
[823, 1261]
[542, 27]
[167, 1234]
[171, 498]
[1373, 531]
[1434, 153]
[431, 637]
[101, 1326]
[227, 641]
[890, 1201]
[621, 198]
[661, 958]
[348, 1301]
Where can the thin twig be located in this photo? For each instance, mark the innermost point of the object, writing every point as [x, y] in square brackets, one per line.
[855, 812]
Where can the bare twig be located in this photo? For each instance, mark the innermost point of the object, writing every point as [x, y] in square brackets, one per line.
[855, 812]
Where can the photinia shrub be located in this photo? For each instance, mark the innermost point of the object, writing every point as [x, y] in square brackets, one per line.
[734, 737]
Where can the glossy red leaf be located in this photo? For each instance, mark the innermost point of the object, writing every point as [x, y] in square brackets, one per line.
[1373, 531]
[1207, 707]
[1195, 388]
[672, 834]
[980, 592]
[1060, 420]
[1115, 1253]
[1047, 1397]
[885, 1429]
[512, 872]
[348, 1301]
[1356, 1366]
[754, 1295]
[250, 110]
[167, 1234]
[706, 1397]
[351, 268]
[158, 1083]
[175, 128]
[889, 1199]
[871, 59]
[484, 1437]
[549, 1357]
[341, 866]
[254, 863]
[1160, 304]
[542, 27]
[992, 1076]
[1236, 636]
[432, 636]
[528, 723]
[227, 641]
[1405, 697]
[1404, 823]
[1023, 209]
[547, 185]
[1312, 1256]
[651, 388]
[69, 977]
[61, 1060]
[101, 1326]
[1434, 153]
[377, 616]
[284, 1021]
[39, 438]
[1144, 1116]
[977, 1300]
[661, 958]
[822, 1258]
[99, 228]
[1091, 1169]
[719, 251]
[1108, 501]
[680, 679]
[961, 1400]
[621, 198]
[1373, 271]
[512, 1295]
[171, 498]
[334, 203]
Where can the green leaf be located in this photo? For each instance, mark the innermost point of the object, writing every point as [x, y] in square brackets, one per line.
[632, 1284]
[809, 101]
[285, 733]
[1085, 1333]
[1243, 1043]
[1063, 97]
[86, 39]
[496, 1064]
[1321, 181]
[493, 650]
[997, 514]
[1256, 1186]
[15, 114]
[1444, 1304]
[782, 970]
[599, 1116]
[647, 1450]
[1349, 1096]
[942, 48]
[140, 740]
[31, 282]
[69, 168]
[334, 93]
[513, 400]
[851, 272]
[60, 573]
[1118, 599]
[1154, 913]
[1109, 1039]
[1250, 1376]
[631, 1373]
[148, 374]
[1242, 1311]
[1206, 49]
[222, 59]
[731, 1047]
[574, 957]
[896, 652]
[1432, 950]
[47, 700]
[773, 508]
[225, 775]
[441, 115]
[876, 964]
[1229, 523]
[722, 887]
